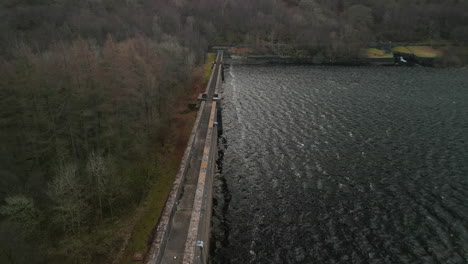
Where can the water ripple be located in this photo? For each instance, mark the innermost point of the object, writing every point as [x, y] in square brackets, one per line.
[343, 165]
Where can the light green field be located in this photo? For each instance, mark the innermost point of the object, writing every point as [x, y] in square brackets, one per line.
[419, 51]
[374, 53]
[425, 51]
[402, 49]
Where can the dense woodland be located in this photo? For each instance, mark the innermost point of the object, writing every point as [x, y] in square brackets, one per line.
[87, 88]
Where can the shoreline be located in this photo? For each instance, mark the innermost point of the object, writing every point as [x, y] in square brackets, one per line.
[281, 60]
[392, 54]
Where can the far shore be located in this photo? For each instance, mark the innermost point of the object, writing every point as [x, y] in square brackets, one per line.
[376, 54]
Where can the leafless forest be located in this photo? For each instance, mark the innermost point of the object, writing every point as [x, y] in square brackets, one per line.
[87, 88]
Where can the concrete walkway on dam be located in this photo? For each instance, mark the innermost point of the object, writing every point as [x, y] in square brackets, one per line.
[172, 233]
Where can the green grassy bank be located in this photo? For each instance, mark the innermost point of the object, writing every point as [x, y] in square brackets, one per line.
[148, 213]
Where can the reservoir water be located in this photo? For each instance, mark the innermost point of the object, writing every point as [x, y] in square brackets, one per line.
[342, 165]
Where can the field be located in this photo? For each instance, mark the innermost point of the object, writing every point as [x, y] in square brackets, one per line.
[374, 53]
[419, 51]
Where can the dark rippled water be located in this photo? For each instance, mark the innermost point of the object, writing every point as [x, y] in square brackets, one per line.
[343, 165]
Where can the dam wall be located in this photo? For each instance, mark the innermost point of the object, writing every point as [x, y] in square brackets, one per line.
[183, 230]
[197, 243]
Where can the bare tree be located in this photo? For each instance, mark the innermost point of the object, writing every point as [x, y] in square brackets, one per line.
[67, 195]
